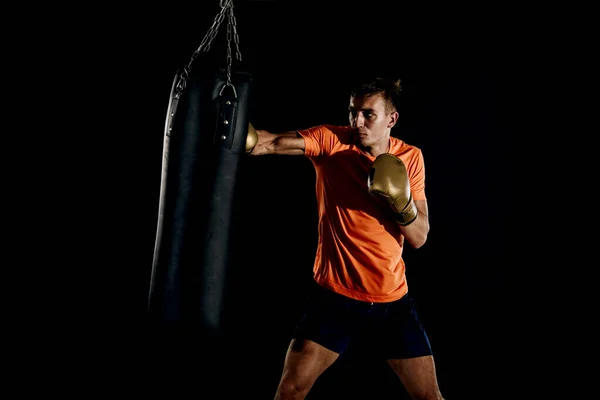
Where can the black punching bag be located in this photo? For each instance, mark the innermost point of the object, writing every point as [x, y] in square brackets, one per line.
[205, 137]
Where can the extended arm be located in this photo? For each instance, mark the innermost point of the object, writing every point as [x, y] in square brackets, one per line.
[285, 143]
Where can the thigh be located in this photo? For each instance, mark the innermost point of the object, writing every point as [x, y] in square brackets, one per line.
[398, 332]
[329, 320]
[305, 361]
[418, 375]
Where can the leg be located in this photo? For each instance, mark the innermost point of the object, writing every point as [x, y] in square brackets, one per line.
[304, 362]
[418, 376]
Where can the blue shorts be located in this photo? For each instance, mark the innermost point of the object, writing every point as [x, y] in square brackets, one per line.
[380, 330]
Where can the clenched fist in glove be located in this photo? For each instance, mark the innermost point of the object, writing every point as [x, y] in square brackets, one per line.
[388, 178]
[251, 139]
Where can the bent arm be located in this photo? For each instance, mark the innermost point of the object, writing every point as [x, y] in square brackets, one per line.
[416, 232]
[285, 143]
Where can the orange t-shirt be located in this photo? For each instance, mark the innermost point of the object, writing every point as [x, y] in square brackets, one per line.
[359, 251]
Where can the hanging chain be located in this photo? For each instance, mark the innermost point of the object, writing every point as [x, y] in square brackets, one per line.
[232, 31]
[226, 5]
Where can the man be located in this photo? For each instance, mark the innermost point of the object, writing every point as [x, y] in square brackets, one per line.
[370, 190]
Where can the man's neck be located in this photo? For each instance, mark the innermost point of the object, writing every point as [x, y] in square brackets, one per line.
[379, 148]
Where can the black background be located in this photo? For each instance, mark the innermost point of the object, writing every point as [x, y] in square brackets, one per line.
[457, 62]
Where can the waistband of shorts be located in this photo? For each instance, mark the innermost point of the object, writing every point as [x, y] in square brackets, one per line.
[322, 291]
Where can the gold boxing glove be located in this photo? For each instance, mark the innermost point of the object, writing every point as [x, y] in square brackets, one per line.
[388, 178]
[251, 139]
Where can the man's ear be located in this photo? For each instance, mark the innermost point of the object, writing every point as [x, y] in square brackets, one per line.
[393, 119]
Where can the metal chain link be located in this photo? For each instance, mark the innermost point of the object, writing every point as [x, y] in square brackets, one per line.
[226, 6]
[232, 31]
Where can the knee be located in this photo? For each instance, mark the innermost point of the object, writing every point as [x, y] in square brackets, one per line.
[291, 390]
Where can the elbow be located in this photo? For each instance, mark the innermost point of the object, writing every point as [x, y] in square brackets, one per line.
[418, 236]
[417, 243]
[417, 240]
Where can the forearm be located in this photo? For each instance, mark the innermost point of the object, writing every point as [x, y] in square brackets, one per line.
[285, 143]
[416, 232]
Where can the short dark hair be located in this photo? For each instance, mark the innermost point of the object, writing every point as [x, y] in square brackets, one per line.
[389, 89]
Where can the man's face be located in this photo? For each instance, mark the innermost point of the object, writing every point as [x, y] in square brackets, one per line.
[369, 117]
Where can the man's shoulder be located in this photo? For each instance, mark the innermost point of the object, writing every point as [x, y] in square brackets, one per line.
[342, 133]
[399, 146]
[336, 129]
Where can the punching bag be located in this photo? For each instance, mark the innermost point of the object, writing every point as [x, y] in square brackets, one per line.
[205, 136]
